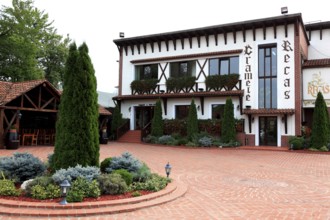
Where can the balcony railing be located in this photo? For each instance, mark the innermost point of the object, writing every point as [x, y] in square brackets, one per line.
[192, 88]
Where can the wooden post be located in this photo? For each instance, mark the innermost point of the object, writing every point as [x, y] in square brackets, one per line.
[2, 140]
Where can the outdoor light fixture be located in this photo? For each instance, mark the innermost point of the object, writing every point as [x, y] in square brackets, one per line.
[201, 89]
[65, 185]
[168, 168]
[284, 10]
[19, 114]
[198, 108]
[162, 91]
[121, 34]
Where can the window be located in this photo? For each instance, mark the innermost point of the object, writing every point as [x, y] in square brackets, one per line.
[224, 66]
[217, 111]
[146, 72]
[181, 111]
[267, 72]
[183, 69]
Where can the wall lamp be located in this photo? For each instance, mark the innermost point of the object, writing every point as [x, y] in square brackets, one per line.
[129, 109]
[284, 10]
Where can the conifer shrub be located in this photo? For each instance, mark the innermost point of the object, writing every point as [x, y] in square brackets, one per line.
[157, 124]
[296, 142]
[228, 130]
[72, 173]
[112, 184]
[320, 128]
[125, 161]
[42, 181]
[105, 164]
[22, 166]
[142, 174]
[50, 191]
[192, 122]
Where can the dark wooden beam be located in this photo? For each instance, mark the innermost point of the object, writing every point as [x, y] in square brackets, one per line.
[285, 118]
[174, 43]
[274, 29]
[250, 122]
[321, 33]
[138, 47]
[48, 102]
[264, 31]
[159, 46]
[286, 29]
[39, 98]
[145, 47]
[166, 44]
[254, 33]
[28, 98]
[202, 104]
[125, 48]
[216, 39]
[2, 112]
[30, 109]
[165, 105]
[207, 40]
[182, 43]
[234, 35]
[152, 46]
[132, 49]
[190, 42]
[244, 37]
[225, 37]
[199, 41]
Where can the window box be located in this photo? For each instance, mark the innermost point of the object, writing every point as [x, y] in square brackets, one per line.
[144, 86]
[177, 84]
[218, 82]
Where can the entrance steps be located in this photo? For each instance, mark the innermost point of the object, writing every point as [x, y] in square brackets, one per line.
[132, 136]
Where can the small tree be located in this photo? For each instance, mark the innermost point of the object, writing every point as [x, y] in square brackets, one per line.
[117, 120]
[192, 123]
[228, 131]
[77, 137]
[157, 124]
[320, 129]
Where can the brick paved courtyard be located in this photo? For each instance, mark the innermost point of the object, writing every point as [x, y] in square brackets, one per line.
[229, 183]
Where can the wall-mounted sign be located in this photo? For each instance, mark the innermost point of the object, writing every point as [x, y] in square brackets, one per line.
[314, 81]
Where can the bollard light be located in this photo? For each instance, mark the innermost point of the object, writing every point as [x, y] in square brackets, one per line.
[168, 168]
[65, 185]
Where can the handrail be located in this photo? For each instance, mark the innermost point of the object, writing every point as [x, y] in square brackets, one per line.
[122, 129]
[146, 130]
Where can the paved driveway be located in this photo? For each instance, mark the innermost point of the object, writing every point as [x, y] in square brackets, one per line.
[230, 183]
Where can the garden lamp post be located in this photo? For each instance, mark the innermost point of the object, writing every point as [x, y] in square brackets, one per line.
[65, 185]
[168, 168]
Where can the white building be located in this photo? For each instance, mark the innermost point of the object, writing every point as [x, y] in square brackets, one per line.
[281, 63]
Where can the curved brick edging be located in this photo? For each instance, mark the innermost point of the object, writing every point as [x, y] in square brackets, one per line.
[15, 208]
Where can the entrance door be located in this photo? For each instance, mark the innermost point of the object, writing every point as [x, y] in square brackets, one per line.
[268, 131]
[143, 115]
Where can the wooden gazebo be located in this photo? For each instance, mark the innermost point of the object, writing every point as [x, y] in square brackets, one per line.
[30, 106]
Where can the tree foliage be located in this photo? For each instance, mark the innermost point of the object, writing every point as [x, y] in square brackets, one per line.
[157, 124]
[30, 48]
[77, 138]
[192, 123]
[228, 131]
[117, 120]
[320, 127]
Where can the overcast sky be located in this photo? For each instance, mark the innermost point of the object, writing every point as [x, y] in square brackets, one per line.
[98, 22]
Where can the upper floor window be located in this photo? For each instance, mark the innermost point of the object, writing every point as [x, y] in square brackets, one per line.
[183, 69]
[267, 72]
[146, 72]
[224, 66]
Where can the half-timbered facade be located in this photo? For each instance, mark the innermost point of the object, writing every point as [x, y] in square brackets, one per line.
[264, 65]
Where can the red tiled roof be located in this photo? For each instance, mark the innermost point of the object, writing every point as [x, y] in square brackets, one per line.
[103, 111]
[289, 111]
[10, 91]
[317, 63]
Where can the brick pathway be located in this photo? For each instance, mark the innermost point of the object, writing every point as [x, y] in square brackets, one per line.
[229, 183]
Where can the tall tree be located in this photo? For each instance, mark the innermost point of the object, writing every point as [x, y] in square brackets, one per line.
[228, 131]
[320, 127]
[157, 124]
[77, 138]
[192, 123]
[30, 48]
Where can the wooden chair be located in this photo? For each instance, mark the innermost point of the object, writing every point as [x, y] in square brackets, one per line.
[47, 137]
[35, 137]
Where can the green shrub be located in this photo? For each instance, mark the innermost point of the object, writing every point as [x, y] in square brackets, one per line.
[51, 191]
[105, 164]
[142, 174]
[150, 139]
[177, 126]
[81, 188]
[144, 86]
[136, 194]
[154, 183]
[22, 166]
[42, 181]
[112, 184]
[324, 148]
[125, 161]
[127, 176]
[165, 139]
[296, 142]
[7, 188]
[210, 126]
[176, 84]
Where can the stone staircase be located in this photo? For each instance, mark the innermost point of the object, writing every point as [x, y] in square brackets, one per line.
[131, 136]
[39, 210]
